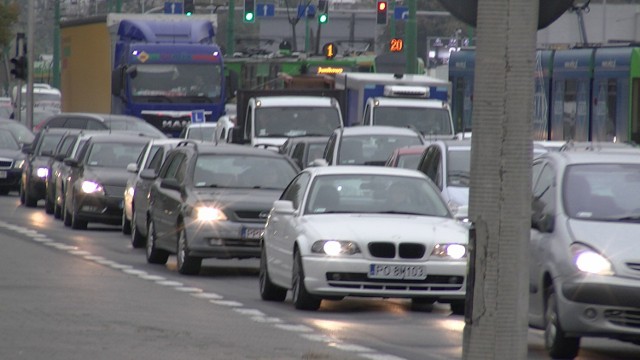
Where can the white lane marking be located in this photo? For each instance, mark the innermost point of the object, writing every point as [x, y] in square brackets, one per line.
[42, 240]
[294, 328]
[188, 289]
[209, 296]
[380, 356]
[118, 266]
[94, 258]
[252, 312]
[351, 347]
[319, 338]
[169, 283]
[266, 320]
[152, 277]
[60, 246]
[133, 271]
[229, 303]
[79, 252]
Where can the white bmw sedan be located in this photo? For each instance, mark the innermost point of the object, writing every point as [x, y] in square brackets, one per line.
[363, 231]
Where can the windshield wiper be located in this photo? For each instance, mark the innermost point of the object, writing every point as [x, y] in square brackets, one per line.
[629, 217]
[400, 212]
[265, 187]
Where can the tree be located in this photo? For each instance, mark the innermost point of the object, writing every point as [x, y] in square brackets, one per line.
[8, 17]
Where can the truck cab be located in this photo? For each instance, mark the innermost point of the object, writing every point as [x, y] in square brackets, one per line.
[410, 106]
[271, 120]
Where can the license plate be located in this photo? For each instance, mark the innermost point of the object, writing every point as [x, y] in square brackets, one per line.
[3, 174]
[397, 272]
[252, 233]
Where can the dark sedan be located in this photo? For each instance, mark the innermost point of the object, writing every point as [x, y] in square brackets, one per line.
[98, 177]
[11, 162]
[212, 201]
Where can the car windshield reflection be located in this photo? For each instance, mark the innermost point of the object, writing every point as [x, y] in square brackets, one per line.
[236, 171]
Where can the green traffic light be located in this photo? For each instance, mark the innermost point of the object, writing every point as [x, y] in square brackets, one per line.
[248, 17]
[323, 18]
[189, 13]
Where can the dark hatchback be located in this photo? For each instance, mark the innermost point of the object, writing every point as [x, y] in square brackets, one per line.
[97, 121]
[98, 177]
[212, 201]
[11, 162]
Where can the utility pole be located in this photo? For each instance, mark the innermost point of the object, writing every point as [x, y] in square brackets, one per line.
[56, 45]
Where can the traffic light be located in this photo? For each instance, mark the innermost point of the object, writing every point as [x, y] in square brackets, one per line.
[323, 11]
[382, 12]
[249, 11]
[19, 67]
[189, 7]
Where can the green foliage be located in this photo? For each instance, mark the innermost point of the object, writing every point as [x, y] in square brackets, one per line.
[8, 16]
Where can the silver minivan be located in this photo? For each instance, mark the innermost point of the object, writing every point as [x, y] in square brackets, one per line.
[584, 266]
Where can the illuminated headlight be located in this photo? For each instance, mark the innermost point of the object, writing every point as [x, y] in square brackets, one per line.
[205, 213]
[589, 261]
[452, 251]
[42, 172]
[91, 187]
[130, 191]
[335, 247]
[18, 164]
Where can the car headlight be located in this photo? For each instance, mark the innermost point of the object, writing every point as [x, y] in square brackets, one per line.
[91, 187]
[335, 247]
[18, 164]
[452, 251]
[208, 213]
[590, 261]
[130, 191]
[42, 172]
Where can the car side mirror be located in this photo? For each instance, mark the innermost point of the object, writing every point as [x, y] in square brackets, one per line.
[71, 162]
[284, 207]
[60, 157]
[27, 149]
[132, 168]
[236, 136]
[148, 174]
[171, 184]
[48, 153]
[543, 222]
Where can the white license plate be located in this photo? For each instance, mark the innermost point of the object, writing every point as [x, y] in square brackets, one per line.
[3, 174]
[252, 233]
[397, 272]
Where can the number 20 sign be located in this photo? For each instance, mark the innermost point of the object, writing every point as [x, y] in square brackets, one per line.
[396, 45]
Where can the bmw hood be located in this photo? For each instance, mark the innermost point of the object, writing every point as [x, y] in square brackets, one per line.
[619, 241]
[383, 227]
[11, 154]
[107, 176]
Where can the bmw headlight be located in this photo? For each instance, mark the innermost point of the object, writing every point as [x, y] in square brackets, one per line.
[451, 251]
[335, 247]
[590, 261]
[42, 172]
[18, 164]
[209, 213]
[91, 187]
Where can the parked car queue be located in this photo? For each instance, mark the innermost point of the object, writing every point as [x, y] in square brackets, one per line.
[309, 226]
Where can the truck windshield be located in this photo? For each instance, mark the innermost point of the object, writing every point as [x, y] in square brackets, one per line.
[176, 83]
[296, 121]
[429, 121]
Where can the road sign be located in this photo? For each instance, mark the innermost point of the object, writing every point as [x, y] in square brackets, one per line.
[197, 116]
[265, 9]
[311, 10]
[401, 13]
[173, 7]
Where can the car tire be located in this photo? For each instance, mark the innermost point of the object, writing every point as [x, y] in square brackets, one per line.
[187, 265]
[66, 215]
[154, 255]
[21, 191]
[457, 307]
[29, 200]
[422, 304]
[268, 290]
[137, 240]
[558, 345]
[126, 224]
[302, 299]
[76, 222]
[48, 205]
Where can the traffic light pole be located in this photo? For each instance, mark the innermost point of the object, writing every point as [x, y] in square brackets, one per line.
[56, 45]
[411, 35]
[231, 12]
[30, 57]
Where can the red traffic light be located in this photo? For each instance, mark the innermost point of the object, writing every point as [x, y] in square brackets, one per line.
[382, 5]
[381, 16]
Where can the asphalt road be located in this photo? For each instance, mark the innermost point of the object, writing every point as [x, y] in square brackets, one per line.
[67, 294]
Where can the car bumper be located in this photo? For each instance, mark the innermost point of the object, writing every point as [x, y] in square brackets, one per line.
[224, 239]
[445, 280]
[10, 179]
[605, 306]
[101, 209]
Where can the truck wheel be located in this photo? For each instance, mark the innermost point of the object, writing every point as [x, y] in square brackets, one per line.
[302, 300]
[268, 290]
[558, 345]
[154, 255]
[187, 265]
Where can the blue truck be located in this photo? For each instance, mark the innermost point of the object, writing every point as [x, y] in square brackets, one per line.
[162, 68]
